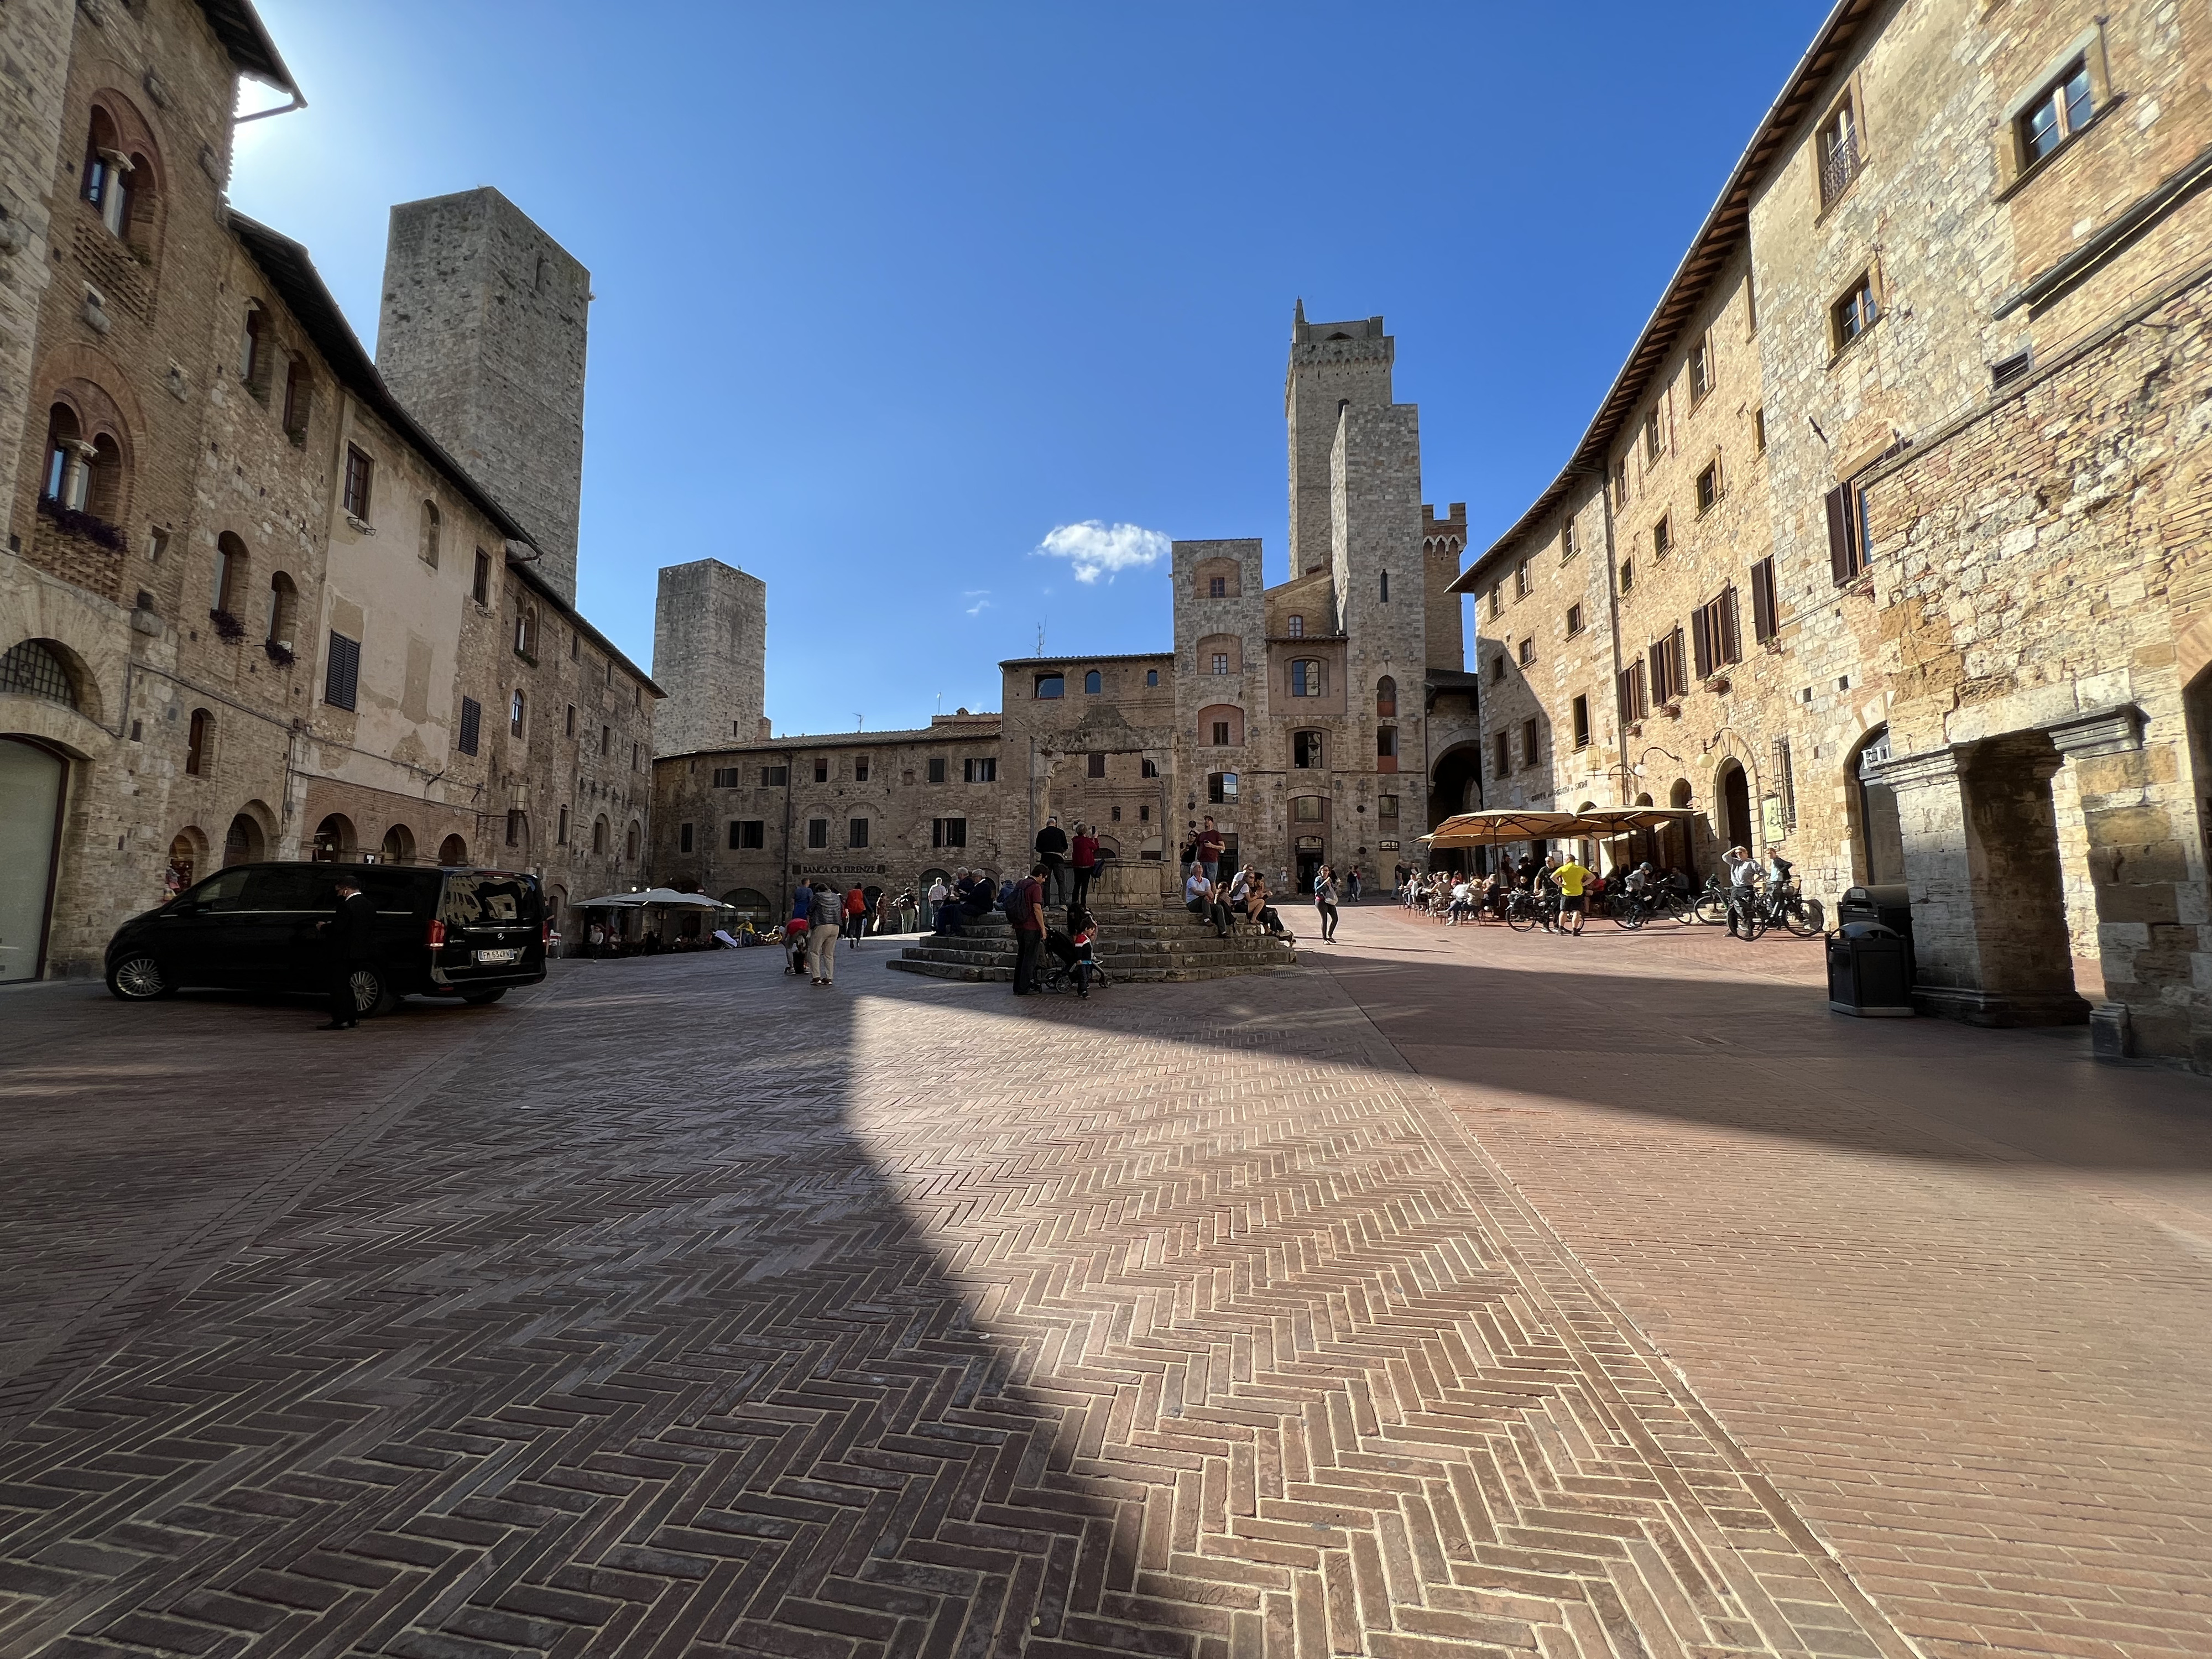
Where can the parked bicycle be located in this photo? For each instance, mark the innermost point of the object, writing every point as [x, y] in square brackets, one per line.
[1526, 910]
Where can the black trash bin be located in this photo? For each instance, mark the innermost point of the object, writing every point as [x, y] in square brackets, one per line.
[1889, 903]
[1870, 971]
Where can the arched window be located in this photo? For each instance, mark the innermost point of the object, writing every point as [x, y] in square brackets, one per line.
[334, 841]
[183, 859]
[452, 850]
[254, 353]
[283, 611]
[514, 711]
[64, 480]
[526, 631]
[1297, 628]
[599, 836]
[430, 527]
[107, 173]
[198, 738]
[245, 843]
[1386, 697]
[398, 845]
[229, 573]
[1221, 727]
[1051, 685]
[1386, 587]
[1092, 681]
[299, 398]
[103, 484]
[31, 668]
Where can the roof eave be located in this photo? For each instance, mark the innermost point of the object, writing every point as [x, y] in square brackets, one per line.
[1709, 249]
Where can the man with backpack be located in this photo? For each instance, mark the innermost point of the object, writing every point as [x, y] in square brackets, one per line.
[1025, 908]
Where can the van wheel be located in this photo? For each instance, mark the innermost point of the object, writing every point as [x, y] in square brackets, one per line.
[139, 979]
[482, 999]
[371, 995]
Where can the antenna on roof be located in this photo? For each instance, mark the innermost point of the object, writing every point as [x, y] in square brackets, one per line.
[1040, 638]
[858, 722]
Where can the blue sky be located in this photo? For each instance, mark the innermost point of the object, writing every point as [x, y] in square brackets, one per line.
[887, 295]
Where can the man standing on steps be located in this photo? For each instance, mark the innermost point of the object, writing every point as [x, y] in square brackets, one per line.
[1052, 853]
[1210, 846]
[1026, 911]
[1084, 861]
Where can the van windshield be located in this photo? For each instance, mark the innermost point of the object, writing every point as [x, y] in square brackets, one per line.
[485, 900]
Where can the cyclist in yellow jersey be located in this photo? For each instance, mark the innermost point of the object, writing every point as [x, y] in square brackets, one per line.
[1571, 877]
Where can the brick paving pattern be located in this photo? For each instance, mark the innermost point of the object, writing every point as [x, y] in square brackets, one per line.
[682, 1308]
[1951, 1289]
[694, 1309]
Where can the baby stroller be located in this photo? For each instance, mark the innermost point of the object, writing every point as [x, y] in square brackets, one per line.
[1059, 970]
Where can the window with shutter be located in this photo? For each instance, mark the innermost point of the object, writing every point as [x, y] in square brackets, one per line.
[342, 679]
[1701, 639]
[1846, 555]
[1763, 609]
[471, 725]
[1730, 632]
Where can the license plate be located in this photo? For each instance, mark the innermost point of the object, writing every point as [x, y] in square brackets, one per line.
[498, 956]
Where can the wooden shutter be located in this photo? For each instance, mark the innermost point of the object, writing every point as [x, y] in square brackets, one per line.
[1701, 639]
[472, 724]
[1843, 538]
[1731, 630]
[1763, 624]
[342, 677]
[1622, 699]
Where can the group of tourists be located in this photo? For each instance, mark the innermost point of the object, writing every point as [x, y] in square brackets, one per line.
[957, 905]
[820, 917]
[1244, 898]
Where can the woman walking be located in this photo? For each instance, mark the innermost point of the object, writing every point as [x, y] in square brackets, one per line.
[1325, 902]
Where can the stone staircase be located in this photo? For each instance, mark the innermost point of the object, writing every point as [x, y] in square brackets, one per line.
[1136, 943]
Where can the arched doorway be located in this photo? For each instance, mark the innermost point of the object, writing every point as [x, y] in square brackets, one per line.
[398, 845]
[334, 840]
[452, 850]
[1877, 836]
[243, 843]
[1734, 826]
[32, 780]
[1677, 846]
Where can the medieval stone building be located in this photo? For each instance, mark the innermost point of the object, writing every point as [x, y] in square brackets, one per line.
[1326, 719]
[1884, 549]
[250, 607]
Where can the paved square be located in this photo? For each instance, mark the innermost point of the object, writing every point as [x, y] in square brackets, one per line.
[681, 1307]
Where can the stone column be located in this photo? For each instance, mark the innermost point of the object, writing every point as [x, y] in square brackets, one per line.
[116, 167]
[77, 472]
[1981, 860]
[2149, 904]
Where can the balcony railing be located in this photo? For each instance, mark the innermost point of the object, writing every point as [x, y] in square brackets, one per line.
[1839, 165]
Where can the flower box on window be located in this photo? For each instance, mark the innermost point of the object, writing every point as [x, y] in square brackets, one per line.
[1717, 683]
[227, 627]
[73, 522]
[280, 655]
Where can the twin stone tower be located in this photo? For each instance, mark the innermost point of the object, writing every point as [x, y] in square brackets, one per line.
[482, 335]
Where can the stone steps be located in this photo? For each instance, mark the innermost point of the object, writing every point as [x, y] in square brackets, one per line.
[1135, 945]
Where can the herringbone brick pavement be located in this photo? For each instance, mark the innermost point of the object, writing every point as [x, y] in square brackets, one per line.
[1952, 1289]
[684, 1309]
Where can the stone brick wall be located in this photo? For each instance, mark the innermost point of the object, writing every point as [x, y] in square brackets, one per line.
[709, 654]
[1992, 672]
[709, 792]
[34, 50]
[482, 335]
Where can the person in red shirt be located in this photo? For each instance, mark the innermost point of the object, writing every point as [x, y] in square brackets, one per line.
[1082, 858]
[1210, 845]
[856, 915]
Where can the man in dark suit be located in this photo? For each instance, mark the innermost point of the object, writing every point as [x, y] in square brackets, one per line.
[351, 933]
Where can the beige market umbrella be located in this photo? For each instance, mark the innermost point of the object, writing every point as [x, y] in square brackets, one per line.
[1490, 828]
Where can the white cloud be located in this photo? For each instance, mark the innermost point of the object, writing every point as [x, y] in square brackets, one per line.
[980, 605]
[1095, 550]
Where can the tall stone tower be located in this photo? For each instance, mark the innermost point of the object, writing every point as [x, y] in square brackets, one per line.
[483, 338]
[709, 654]
[1331, 364]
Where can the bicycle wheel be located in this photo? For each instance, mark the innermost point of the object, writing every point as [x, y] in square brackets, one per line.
[1522, 917]
[1804, 918]
[1753, 921]
[1712, 909]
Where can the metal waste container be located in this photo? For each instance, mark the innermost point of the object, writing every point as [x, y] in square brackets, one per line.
[1889, 903]
[1870, 971]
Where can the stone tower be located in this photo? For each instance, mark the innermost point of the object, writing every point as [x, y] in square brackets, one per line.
[709, 652]
[483, 338]
[1331, 364]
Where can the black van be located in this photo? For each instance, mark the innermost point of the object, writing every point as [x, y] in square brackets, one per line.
[447, 933]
